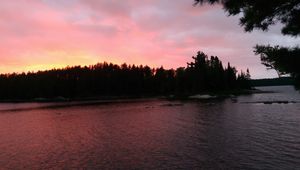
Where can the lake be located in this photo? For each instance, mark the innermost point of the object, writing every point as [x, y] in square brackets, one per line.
[247, 132]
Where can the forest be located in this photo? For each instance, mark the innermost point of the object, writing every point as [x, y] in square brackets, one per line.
[204, 74]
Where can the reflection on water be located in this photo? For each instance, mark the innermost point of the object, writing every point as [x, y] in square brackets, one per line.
[154, 134]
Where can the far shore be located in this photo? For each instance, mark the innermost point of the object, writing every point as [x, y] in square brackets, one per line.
[124, 98]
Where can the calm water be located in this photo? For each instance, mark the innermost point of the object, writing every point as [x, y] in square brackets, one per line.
[154, 134]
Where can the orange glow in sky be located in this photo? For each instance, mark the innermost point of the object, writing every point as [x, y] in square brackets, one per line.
[45, 34]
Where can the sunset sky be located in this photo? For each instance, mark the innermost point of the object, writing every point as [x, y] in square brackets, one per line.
[43, 34]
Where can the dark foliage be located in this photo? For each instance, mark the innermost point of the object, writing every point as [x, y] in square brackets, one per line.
[261, 14]
[284, 60]
[107, 79]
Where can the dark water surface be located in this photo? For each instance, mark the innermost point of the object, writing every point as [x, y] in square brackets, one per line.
[155, 134]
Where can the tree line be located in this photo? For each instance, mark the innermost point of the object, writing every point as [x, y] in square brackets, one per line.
[281, 81]
[203, 74]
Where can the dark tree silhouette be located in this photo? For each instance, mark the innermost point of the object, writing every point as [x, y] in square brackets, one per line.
[107, 79]
[285, 60]
[260, 14]
[263, 13]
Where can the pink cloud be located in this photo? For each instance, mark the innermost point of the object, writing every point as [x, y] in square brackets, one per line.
[40, 34]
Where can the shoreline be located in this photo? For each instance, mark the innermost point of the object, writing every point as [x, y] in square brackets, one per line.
[118, 99]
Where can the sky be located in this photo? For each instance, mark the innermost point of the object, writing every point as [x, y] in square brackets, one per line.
[45, 34]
